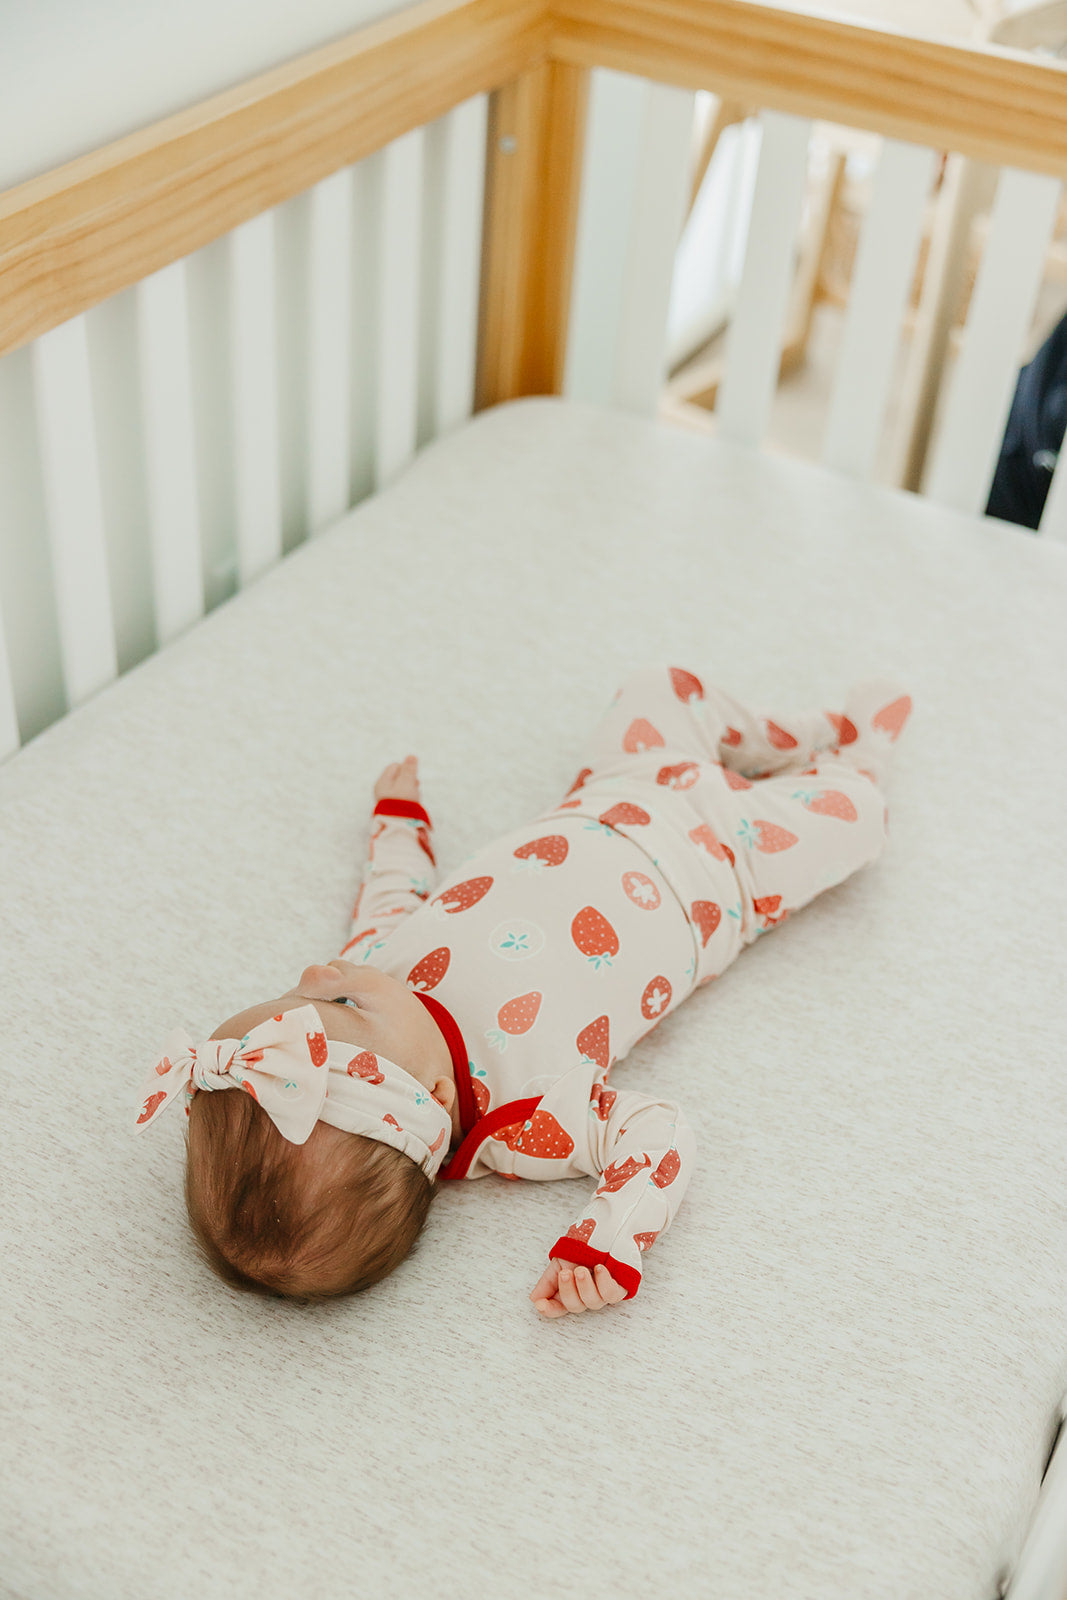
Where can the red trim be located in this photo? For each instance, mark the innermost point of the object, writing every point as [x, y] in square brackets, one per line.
[402, 808]
[502, 1117]
[583, 1255]
[457, 1049]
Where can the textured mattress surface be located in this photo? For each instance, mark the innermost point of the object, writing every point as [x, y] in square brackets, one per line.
[840, 1374]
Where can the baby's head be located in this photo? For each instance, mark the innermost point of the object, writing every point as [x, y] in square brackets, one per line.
[336, 1213]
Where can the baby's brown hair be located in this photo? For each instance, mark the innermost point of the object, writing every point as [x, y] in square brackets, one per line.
[269, 1219]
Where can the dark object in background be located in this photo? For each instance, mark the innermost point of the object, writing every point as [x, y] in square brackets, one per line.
[1033, 436]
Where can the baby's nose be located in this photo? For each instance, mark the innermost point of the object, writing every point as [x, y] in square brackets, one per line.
[312, 976]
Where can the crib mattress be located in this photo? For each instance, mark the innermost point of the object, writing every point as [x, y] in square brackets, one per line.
[840, 1375]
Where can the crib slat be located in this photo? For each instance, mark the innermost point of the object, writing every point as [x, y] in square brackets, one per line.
[397, 400]
[605, 226]
[255, 368]
[460, 262]
[9, 723]
[329, 289]
[660, 202]
[882, 278]
[755, 336]
[170, 458]
[984, 380]
[71, 477]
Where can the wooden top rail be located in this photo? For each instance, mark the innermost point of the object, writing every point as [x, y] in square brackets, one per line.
[82, 232]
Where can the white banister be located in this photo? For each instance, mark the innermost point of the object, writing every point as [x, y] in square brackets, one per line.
[255, 380]
[399, 309]
[170, 455]
[755, 336]
[75, 519]
[881, 280]
[983, 383]
[329, 338]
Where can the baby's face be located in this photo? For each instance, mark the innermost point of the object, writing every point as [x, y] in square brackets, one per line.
[366, 1007]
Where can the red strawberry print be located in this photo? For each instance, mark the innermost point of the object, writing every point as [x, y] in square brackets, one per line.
[632, 816]
[317, 1048]
[595, 937]
[365, 1065]
[641, 735]
[565, 805]
[278, 1018]
[707, 916]
[481, 1096]
[614, 1177]
[593, 1042]
[705, 837]
[438, 1142]
[656, 998]
[732, 737]
[247, 1087]
[643, 1240]
[772, 837]
[427, 973]
[151, 1104]
[667, 1170]
[777, 736]
[892, 717]
[602, 1099]
[734, 780]
[550, 851]
[581, 1230]
[832, 803]
[845, 730]
[163, 1067]
[252, 1058]
[686, 685]
[766, 908]
[368, 933]
[639, 888]
[540, 1136]
[586, 772]
[682, 775]
[519, 1015]
[462, 896]
[391, 1119]
[422, 833]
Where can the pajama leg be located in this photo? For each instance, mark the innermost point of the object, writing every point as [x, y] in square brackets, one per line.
[670, 707]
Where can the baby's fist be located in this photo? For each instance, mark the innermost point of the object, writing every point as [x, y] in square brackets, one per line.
[564, 1287]
[399, 781]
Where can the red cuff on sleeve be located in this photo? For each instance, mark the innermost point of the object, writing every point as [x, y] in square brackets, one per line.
[402, 808]
[583, 1255]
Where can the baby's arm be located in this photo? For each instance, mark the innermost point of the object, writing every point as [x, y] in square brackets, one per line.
[400, 870]
[643, 1151]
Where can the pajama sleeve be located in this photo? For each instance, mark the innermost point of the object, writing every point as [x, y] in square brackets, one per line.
[643, 1152]
[398, 876]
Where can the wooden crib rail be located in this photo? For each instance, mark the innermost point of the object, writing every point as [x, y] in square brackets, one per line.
[77, 235]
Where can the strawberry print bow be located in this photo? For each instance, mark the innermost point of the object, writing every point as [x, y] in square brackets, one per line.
[300, 1077]
[281, 1063]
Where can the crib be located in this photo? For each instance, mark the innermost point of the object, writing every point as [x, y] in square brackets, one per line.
[328, 430]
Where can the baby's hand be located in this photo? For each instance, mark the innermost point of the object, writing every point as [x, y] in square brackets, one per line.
[563, 1287]
[400, 781]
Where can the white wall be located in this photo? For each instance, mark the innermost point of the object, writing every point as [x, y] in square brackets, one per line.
[75, 74]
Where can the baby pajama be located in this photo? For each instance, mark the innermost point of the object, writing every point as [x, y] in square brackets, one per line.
[692, 826]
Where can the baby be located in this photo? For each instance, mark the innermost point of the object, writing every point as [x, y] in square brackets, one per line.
[474, 1029]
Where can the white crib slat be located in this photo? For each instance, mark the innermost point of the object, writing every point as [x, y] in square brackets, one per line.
[330, 283]
[9, 722]
[399, 313]
[71, 476]
[754, 339]
[170, 457]
[885, 267]
[984, 380]
[255, 371]
[460, 264]
[660, 200]
[605, 227]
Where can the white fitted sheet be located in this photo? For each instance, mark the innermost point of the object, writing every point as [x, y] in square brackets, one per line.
[840, 1374]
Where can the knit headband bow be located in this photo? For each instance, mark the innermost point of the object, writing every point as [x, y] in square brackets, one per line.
[300, 1077]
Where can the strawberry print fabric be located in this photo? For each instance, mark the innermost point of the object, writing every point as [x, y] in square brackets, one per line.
[693, 827]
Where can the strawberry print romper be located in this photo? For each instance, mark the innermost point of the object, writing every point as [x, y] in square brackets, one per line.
[693, 826]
